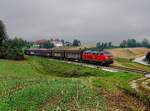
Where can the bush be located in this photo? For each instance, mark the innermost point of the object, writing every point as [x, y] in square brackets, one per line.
[148, 57]
[2, 52]
[71, 73]
[14, 54]
[12, 49]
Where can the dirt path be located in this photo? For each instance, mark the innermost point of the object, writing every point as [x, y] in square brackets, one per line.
[141, 84]
[52, 101]
[140, 60]
[120, 101]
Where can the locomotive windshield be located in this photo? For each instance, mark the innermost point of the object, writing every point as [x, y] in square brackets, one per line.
[106, 53]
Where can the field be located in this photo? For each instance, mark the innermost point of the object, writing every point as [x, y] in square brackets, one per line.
[124, 57]
[129, 53]
[39, 84]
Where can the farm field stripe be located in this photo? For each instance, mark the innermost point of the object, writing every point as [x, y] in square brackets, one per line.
[18, 87]
[141, 85]
[45, 105]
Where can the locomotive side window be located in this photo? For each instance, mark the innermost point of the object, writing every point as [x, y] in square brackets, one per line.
[101, 53]
[95, 53]
[107, 53]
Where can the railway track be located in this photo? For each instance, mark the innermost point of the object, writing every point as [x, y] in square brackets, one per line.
[111, 67]
[140, 84]
[131, 70]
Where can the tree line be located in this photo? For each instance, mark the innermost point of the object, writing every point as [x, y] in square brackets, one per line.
[130, 43]
[104, 45]
[134, 43]
[11, 48]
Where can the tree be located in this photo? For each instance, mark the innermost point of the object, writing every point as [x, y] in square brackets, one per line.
[63, 41]
[109, 44]
[105, 45]
[131, 43]
[145, 43]
[14, 49]
[10, 48]
[128, 43]
[47, 45]
[14, 53]
[123, 44]
[98, 45]
[102, 45]
[17, 43]
[76, 42]
[138, 44]
[3, 38]
[148, 57]
[3, 34]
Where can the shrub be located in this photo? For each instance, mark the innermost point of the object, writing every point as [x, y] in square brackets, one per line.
[14, 54]
[2, 52]
[12, 49]
[148, 57]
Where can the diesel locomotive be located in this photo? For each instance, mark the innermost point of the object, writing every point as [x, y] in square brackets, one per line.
[93, 56]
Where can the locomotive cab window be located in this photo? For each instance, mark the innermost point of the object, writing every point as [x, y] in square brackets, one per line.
[101, 54]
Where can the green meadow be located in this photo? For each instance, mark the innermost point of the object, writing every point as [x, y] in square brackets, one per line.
[38, 84]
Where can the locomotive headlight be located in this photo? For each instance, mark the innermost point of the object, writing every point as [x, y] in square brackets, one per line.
[111, 57]
[106, 57]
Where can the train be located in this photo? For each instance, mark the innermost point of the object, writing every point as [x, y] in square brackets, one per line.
[100, 57]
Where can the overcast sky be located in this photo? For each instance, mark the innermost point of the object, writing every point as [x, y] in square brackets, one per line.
[87, 20]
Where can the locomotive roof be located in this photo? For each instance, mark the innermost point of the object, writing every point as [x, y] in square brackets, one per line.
[96, 51]
[91, 51]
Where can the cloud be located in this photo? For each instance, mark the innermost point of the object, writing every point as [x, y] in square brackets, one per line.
[87, 20]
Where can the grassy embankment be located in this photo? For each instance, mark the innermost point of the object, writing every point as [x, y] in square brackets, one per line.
[125, 62]
[38, 83]
[124, 57]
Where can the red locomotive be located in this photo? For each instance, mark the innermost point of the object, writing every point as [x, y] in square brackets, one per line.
[93, 56]
[101, 57]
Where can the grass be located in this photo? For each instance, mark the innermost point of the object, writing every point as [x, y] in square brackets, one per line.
[148, 84]
[20, 69]
[111, 81]
[6, 84]
[128, 63]
[57, 68]
[108, 80]
[50, 84]
[32, 98]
